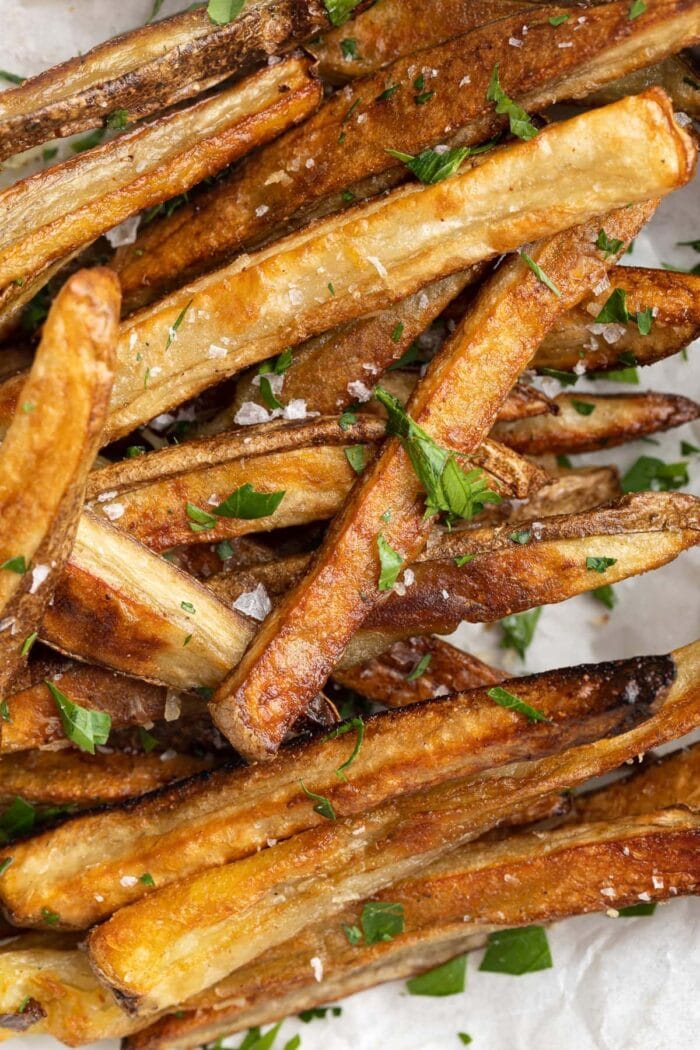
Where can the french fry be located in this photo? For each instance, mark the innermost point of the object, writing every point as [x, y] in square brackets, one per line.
[69, 777]
[345, 144]
[456, 404]
[203, 928]
[674, 299]
[79, 1010]
[658, 783]
[677, 75]
[588, 422]
[148, 69]
[48, 451]
[307, 461]
[236, 811]
[50, 215]
[570, 492]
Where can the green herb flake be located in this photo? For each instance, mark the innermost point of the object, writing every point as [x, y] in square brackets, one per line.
[519, 951]
[331, 289]
[347, 419]
[608, 245]
[11, 78]
[520, 124]
[390, 562]
[448, 979]
[388, 93]
[5, 863]
[155, 11]
[689, 450]
[293, 1044]
[347, 197]
[49, 918]
[353, 725]
[172, 331]
[584, 408]
[248, 504]
[614, 310]
[397, 332]
[147, 741]
[512, 702]
[88, 141]
[651, 474]
[599, 564]
[556, 20]
[565, 378]
[353, 934]
[5, 711]
[221, 12]
[605, 595]
[18, 565]
[519, 630]
[643, 908]
[200, 520]
[637, 8]
[522, 536]
[319, 1013]
[540, 274]
[356, 456]
[188, 607]
[465, 1039]
[695, 245]
[28, 643]
[17, 819]
[463, 559]
[323, 806]
[431, 166]
[420, 668]
[381, 921]
[147, 879]
[224, 550]
[117, 120]
[425, 96]
[50, 153]
[83, 727]
[618, 375]
[339, 11]
[348, 49]
[645, 321]
[134, 451]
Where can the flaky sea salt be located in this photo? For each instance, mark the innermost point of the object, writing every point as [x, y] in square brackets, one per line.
[39, 576]
[359, 391]
[249, 413]
[114, 511]
[254, 603]
[124, 233]
[317, 967]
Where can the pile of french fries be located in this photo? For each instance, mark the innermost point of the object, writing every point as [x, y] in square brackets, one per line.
[271, 424]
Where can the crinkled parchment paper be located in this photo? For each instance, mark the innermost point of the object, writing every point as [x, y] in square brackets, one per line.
[617, 984]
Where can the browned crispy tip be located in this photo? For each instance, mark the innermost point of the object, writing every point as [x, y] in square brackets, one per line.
[150, 68]
[302, 880]
[47, 453]
[589, 422]
[455, 403]
[577, 339]
[345, 144]
[231, 813]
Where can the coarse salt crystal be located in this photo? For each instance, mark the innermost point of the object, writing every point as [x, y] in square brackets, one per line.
[261, 210]
[105, 497]
[311, 163]
[378, 265]
[465, 81]
[276, 381]
[250, 413]
[296, 296]
[646, 897]
[514, 42]
[161, 422]
[168, 756]
[114, 511]
[124, 233]
[128, 880]
[359, 391]
[39, 575]
[607, 891]
[317, 967]
[579, 368]
[7, 622]
[216, 351]
[172, 707]
[565, 43]
[682, 119]
[296, 409]
[254, 603]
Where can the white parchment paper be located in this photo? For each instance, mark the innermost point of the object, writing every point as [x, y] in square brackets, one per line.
[617, 984]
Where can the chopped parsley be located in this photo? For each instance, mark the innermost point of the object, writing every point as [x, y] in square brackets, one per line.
[689, 450]
[134, 451]
[695, 245]
[117, 119]
[522, 536]
[429, 166]
[584, 408]
[200, 520]
[520, 123]
[512, 702]
[463, 559]
[557, 20]
[390, 562]
[147, 879]
[172, 331]
[50, 918]
[637, 8]
[347, 420]
[388, 93]
[519, 951]
[11, 78]
[540, 274]
[244, 503]
[18, 565]
[5, 863]
[643, 908]
[397, 332]
[608, 245]
[651, 474]
[465, 1039]
[188, 607]
[5, 711]
[565, 378]
[615, 311]
[340, 10]
[17, 819]
[28, 643]
[224, 550]
[605, 595]
[83, 727]
[49, 153]
[224, 11]
[348, 48]
[519, 630]
[599, 564]
[268, 395]
[155, 10]
[618, 375]
[448, 488]
[356, 456]
[88, 141]
[448, 979]
[318, 1013]
[354, 724]
[323, 806]
[147, 741]
[420, 668]
[380, 921]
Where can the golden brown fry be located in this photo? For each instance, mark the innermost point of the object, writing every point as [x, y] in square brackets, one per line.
[205, 927]
[677, 75]
[69, 777]
[456, 403]
[396, 28]
[52, 214]
[233, 812]
[345, 144]
[149, 68]
[675, 300]
[588, 422]
[387, 679]
[48, 452]
[570, 492]
[658, 783]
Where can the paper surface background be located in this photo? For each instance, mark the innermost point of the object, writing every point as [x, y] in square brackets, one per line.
[626, 984]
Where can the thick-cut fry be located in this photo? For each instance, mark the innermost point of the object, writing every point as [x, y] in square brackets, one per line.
[345, 144]
[673, 298]
[677, 75]
[390, 678]
[48, 452]
[48, 216]
[659, 783]
[306, 461]
[587, 422]
[205, 927]
[150, 68]
[456, 403]
[250, 310]
[69, 777]
[233, 812]
[280, 982]
[570, 492]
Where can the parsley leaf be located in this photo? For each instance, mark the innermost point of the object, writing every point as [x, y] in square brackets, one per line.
[200, 520]
[397, 332]
[637, 8]
[323, 807]
[268, 395]
[520, 123]
[651, 474]
[347, 727]
[155, 10]
[605, 595]
[88, 141]
[348, 48]
[279, 366]
[390, 562]
[584, 408]
[522, 536]
[695, 245]
[618, 375]
[172, 331]
[340, 10]
[18, 565]
[420, 667]
[643, 908]
[248, 504]
[5, 711]
[558, 20]
[608, 245]
[224, 11]
[540, 274]
[83, 727]
[5, 863]
[28, 643]
[645, 320]
[519, 630]
[147, 741]
[356, 457]
[347, 420]
[599, 564]
[11, 78]
[381, 921]
[147, 879]
[614, 310]
[465, 1039]
[520, 951]
[429, 166]
[50, 918]
[689, 450]
[448, 979]
[513, 703]
[565, 378]
[17, 819]
[319, 1012]
[117, 119]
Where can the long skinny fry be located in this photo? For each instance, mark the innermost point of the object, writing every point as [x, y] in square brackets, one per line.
[207, 926]
[345, 144]
[234, 812]
[48, 451]
[150, 68]
[456, 402]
